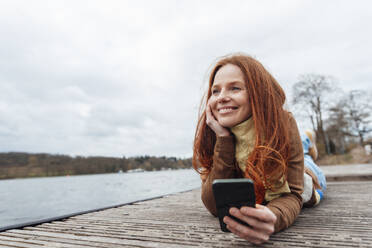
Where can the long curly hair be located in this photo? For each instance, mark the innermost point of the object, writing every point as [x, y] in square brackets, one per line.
[267, 163]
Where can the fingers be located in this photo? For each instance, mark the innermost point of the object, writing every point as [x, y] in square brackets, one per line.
[256, 223]
[260, 212]
[245, 232]
[213, 123]
[210, 118]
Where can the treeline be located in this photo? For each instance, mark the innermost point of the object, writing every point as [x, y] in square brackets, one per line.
[341, 120]
[20, 165]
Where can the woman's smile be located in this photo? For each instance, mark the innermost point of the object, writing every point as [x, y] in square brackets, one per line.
[226, 110]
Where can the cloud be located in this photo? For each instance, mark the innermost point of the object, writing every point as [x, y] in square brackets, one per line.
[126, 78]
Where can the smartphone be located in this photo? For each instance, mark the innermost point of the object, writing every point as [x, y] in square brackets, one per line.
[232, 193]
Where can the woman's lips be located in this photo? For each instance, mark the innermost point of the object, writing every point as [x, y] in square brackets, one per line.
[226, 110]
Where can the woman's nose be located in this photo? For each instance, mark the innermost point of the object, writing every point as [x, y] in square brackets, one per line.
[224, 96]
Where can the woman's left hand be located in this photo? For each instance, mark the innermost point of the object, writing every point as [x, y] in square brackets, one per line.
[260, 219]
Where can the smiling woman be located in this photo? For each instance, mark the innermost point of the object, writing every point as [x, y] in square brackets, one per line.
[244, 131]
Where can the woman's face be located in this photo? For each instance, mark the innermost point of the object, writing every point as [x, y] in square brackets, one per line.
[229, 99]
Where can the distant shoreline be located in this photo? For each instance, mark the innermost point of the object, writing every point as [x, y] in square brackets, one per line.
[25, 165]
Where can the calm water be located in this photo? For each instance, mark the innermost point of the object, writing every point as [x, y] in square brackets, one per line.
[24, 200]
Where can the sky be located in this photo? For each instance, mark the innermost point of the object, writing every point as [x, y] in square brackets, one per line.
[125, 78]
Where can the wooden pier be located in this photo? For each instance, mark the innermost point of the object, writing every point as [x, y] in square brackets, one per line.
[342, 219]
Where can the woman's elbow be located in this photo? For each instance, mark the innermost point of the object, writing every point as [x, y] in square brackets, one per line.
[209, 203]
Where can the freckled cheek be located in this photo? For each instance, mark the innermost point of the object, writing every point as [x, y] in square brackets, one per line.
[212, 102]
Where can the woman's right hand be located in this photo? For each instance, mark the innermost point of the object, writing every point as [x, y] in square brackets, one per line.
[213, 123]
[261, 221]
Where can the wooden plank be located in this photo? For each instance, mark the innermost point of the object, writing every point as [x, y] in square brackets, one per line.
[343, 219]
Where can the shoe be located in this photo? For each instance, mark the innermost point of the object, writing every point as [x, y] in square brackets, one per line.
[313, 151]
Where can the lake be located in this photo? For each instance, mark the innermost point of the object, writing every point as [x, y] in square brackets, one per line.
[31, 199]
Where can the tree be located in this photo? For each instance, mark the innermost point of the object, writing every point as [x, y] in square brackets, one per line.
[358, 110]
[348, 119]
[311, 93]
[338, 127]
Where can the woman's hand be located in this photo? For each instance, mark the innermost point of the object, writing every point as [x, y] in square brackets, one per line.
[260, 219]
[213, 123]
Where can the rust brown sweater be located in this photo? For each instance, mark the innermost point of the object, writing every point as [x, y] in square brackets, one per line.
[288, 205]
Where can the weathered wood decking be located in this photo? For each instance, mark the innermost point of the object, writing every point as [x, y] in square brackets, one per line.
[343, 219]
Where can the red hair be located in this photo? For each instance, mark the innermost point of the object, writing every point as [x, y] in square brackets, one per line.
[267, 163]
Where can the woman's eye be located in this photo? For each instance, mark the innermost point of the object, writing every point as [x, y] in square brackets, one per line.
[236, 88]
[215, 91]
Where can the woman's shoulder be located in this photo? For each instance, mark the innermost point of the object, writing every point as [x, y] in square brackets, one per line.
[294, 133]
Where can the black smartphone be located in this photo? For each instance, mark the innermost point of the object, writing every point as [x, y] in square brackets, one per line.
[232, 193]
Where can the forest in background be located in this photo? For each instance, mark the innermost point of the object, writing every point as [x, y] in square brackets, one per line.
[20, 165]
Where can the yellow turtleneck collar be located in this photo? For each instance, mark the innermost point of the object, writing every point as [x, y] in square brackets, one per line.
[245, 136]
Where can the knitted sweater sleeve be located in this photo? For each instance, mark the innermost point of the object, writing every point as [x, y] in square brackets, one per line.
[288, 205]
[223, 167]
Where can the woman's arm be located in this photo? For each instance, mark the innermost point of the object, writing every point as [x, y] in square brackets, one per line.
[288, 206]
[223, 160]
[223, 167]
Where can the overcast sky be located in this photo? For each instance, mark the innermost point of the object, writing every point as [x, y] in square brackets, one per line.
[125, 78]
